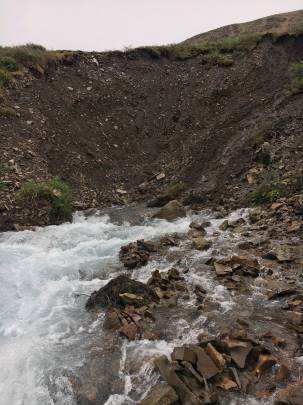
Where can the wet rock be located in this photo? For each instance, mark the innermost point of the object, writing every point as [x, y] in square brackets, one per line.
[217, 357]
[171, 211]
[194, 233]
[184, 354]
[201, 244]
[112, 320]
[265, 362]
[136, 254]
[199, 226]
[227, 384]
[131, 299]
[291, 395]
[160, 394]
[205, 365]
[282, 293]
[171, 377]
[222, 269]
[160, 200]
[109, 295]
[224, 226]
[239, 351]
[129, 331]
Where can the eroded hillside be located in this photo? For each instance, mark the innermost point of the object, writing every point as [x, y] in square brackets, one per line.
[128, 126]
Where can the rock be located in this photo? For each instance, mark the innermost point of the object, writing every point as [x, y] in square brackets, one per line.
[184, 354]
[291, 395]
[112, 321]
[224, 226]
[131, 299]
[170, 376]
[228, 384]
[129, 330]
[171, 211]
[265, 362]
[239, 351]
[201, 244]
[137, 253]
[275, 206]
[109, 295]
[194, 233]
[205, 365]
[282, 374]
[160, 200]
[173, 274]
[282, 293]
[198, 226]
[160, 394]
[222, 269]
[217, 357]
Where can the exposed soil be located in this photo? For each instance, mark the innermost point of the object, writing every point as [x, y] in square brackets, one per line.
[108, 123]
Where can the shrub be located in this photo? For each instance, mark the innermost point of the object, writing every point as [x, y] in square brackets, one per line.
[55, 191]
[5, 78]
[242, 42]
[175, 189]
[8, 63]
[217, 58]
[268, 190]
[296, 85]
[6, 111]
[2, 185]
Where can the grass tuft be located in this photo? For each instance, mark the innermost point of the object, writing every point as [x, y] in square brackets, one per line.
[54, 191]
[296, 85]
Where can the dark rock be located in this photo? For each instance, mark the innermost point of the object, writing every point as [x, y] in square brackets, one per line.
[160, 394]
[110, 294]
[160, 200]
[136, 254]
[184, 354]
[291, 395]
[170, 376]
[171, 211]
[205, 365]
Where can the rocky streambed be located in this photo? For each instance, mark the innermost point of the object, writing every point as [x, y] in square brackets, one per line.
[204, 308]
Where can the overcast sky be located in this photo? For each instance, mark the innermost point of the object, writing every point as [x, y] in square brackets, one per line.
[112, 24]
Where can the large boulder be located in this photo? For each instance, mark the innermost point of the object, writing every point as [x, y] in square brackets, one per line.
[171, 211]
[291, 395]
[113, 293]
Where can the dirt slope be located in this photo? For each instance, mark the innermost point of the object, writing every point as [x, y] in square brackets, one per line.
[108, 122]
[279, 23]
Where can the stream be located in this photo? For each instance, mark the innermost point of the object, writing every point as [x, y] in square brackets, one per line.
[49, 342]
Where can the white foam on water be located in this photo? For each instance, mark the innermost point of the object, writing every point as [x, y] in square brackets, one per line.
[42, 323]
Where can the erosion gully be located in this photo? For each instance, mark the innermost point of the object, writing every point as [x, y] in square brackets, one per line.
[54, 351]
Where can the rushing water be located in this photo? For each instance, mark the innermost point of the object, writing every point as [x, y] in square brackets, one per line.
[42, 321]
[44, 327]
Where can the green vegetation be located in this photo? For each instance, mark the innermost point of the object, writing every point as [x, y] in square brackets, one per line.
[7, 111]
[220, 59]
[268, 189]
[217, 49]
[2, 185]
[54, 191]
[32, 56]
[242, 42]
[8, 63]
[297, 29]
[175, 189]
[5, 78]
[296, 85]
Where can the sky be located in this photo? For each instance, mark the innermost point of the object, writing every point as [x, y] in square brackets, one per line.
[114, 24]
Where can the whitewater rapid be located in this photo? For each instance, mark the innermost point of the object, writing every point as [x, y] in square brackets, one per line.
[45, 331]
[43, 321]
